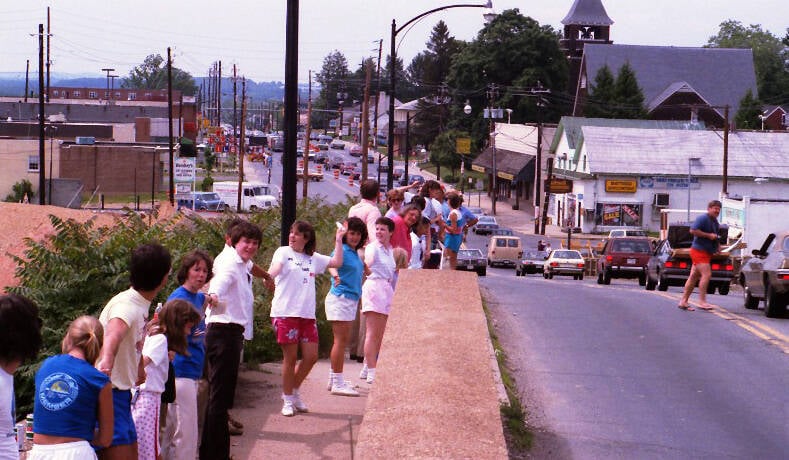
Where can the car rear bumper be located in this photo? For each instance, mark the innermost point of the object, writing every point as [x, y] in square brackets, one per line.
[679, 277]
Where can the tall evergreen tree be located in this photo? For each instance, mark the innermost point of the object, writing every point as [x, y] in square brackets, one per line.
[627, 94]
[332, 79]
[601, 95]
[748, 114]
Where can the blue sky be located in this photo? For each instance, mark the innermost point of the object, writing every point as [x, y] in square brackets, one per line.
[88, 35]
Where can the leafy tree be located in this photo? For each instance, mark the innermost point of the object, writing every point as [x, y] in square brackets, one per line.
[152, 74]
[332, 79]
[627, 94]
[772, 77]
[406, 91]
[748, 114]
[516, 53]
[601, 94]
[443, 151]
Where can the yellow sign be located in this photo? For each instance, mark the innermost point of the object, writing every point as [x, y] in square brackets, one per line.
[504, 175]
[621, 186]
[478, 168]
[463, 145]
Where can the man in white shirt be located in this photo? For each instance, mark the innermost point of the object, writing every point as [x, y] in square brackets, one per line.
[228, 322]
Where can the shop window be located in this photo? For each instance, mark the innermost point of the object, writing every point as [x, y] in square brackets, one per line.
[77, 94]
[132, 96]
[618, 215]
[92, 95]
[32, 163]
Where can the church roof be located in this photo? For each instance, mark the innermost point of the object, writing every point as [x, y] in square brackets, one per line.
[721, 76]
[587, 13]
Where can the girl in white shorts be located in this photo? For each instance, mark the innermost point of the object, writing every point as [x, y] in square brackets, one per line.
[342, 300]
[377, 293]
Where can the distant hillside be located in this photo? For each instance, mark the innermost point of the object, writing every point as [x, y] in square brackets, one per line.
[257, 92]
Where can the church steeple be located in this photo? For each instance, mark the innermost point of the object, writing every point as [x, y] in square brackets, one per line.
[587, 22]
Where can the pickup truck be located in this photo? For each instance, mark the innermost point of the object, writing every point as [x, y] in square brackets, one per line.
[670, 263]
[312, 174]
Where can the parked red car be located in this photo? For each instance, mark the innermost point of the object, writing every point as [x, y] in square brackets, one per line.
[624, 257]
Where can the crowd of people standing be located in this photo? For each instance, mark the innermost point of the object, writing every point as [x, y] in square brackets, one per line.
[104, 396]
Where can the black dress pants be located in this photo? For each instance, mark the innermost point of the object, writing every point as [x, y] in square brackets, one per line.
[223, 343]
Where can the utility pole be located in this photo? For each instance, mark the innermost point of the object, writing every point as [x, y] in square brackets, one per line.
[538, 216]
[365, 119]
[725, 152]
[41, 169]
[375, 112]
[219, 95]
[235, 98]
[241, 146]
[492, 93]
[49, 34]
[171, 189]
[27, 78]
[545, 203]
[109, 95]
[307, 133]
[291, 121]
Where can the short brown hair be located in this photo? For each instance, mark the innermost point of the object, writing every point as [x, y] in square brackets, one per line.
[192, 258]
[306, 229]
[368, 189]
[714, 204]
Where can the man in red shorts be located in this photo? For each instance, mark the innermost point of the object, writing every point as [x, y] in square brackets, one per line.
[705, 244]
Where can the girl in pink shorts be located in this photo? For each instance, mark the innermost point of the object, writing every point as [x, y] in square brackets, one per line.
[294, 268]
[377, 293]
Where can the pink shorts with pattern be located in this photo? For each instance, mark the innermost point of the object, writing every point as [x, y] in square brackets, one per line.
[295, 330]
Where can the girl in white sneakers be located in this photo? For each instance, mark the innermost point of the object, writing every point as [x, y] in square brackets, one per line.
[342, 300]
[377, 293]
[294, 268]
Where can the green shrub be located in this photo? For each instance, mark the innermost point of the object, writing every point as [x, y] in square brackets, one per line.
[20, 189]
[207, 184]
[449, 179]
[76, 270]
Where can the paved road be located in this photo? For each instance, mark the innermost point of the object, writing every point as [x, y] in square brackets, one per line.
[616, 371]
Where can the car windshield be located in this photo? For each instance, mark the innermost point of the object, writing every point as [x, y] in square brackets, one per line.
[536, 255]
[558, 254]
[209, 196]
[639, 247]
[785, 246]
[469, 253]
[486, 220]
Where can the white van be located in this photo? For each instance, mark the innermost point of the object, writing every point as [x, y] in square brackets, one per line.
[255, 196]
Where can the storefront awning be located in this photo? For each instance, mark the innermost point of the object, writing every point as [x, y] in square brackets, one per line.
[519, 166]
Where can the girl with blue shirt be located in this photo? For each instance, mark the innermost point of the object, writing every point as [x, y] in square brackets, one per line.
[342, 300]
[72, 396]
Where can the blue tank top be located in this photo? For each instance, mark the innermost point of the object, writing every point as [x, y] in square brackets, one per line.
[67, 397]
[191, 367]
[350, 275]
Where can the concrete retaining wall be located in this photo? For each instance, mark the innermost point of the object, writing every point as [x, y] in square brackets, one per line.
[435, 394]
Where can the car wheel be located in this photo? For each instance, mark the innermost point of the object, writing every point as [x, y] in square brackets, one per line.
[482, 272]
[581, 277]
[710, 288]
[545, 275]
[550, 275]
[662, 284]
[600, 278]
[723, 289]
[490, 264]
[650, 285]
[774, 304]
[575, 277]
[750, 302]
[607, 277]
[642, 280]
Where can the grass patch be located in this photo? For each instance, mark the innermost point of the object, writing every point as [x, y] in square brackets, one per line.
[513, 416]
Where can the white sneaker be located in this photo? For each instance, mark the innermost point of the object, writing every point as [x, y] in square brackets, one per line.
[343, 389]
[331, 381]
[298, 404]
[363, 372]
[287, 408]
[370, 375]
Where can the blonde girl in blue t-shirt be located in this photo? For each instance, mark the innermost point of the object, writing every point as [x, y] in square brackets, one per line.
[73, 397]
[166, 336]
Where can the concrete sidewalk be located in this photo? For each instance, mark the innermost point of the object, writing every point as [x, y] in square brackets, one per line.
[328, 430]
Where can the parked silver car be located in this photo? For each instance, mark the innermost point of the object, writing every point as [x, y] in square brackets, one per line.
[766, 276]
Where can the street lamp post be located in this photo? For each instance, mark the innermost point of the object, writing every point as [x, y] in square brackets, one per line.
[393, 78]
[690, 162]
